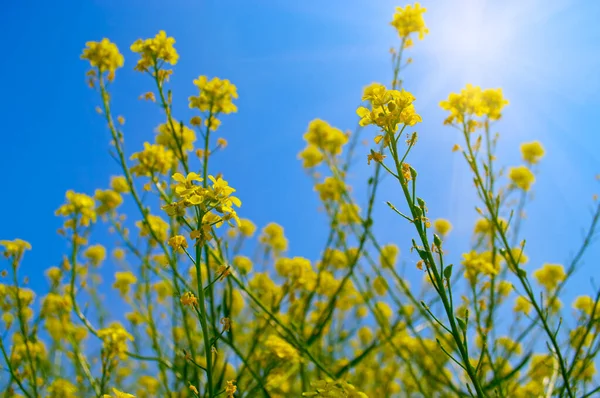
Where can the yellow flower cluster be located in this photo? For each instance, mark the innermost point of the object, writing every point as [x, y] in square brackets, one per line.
[349, 213]
[388, 255]
[522, 305]
[103, 55]
[550, 275]
[155, 227]
[22, 350]
[96, 254]
[323, 140]
[586, 305]
[330, 189]
[189, 299]
[80, 208]
[154, 159]
[281, 349]
[472, 102]
[114, 339]
[119, 184]
[351, 303]
[243, 264]
[442, 226]
[182, 138]
[178, 243]
[521, 177]
[476, 263]
[388, 108]
[61, 388]
[15, 248]
[108, 200]
[123, 282]
[532, 152]
[272, 236]
[216, 197]
[298, 272]
[247, 227]
[155, 51]
[216, 96]
[409, 19]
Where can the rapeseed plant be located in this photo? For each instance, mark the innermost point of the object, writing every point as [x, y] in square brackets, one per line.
[201, 317]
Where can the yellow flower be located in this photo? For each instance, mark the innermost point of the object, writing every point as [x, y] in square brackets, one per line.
[324, 137]
[298, 272]
[243, 264]
[522, 305]
[509, 345]
[383, 312]
[221, 142]
[15, 248]
[281, 349]
[532, 152]
[155, 226]
[550, 275]
[388, 109]
[154, 159]
[580, 336]
[471, 102]
[377, 157]
[149, 96]
[311, 156]
[584, 370]
[231, 388]
[388, 255]
[183, 139]
[380, 285]
[178, 243]
[119, 184]
[54, 274]
[586, 305]
[61, 388]
[80, 207]
[442, 226]
[189, 298]
[118, 253]
[522, 177]
[123, 281]
[476, 263]
[103, 55]
[96, 254]
[330, 189]
[272, 236]
[114, 339]
[154, 50]
[409, 20]
[216, 96]
[109, 200]
[247, 227]
[196, 121]
[349, 214]
[483, 226]
[163, 290]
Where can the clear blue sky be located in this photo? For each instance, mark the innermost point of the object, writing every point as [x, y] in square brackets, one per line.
[293, 62]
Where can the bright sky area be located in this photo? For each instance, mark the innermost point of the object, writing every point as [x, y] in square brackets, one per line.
[294, 61]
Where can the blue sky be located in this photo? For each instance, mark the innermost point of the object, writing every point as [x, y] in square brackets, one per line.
[293, 62]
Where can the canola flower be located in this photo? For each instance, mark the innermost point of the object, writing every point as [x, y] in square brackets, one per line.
[195, 309]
